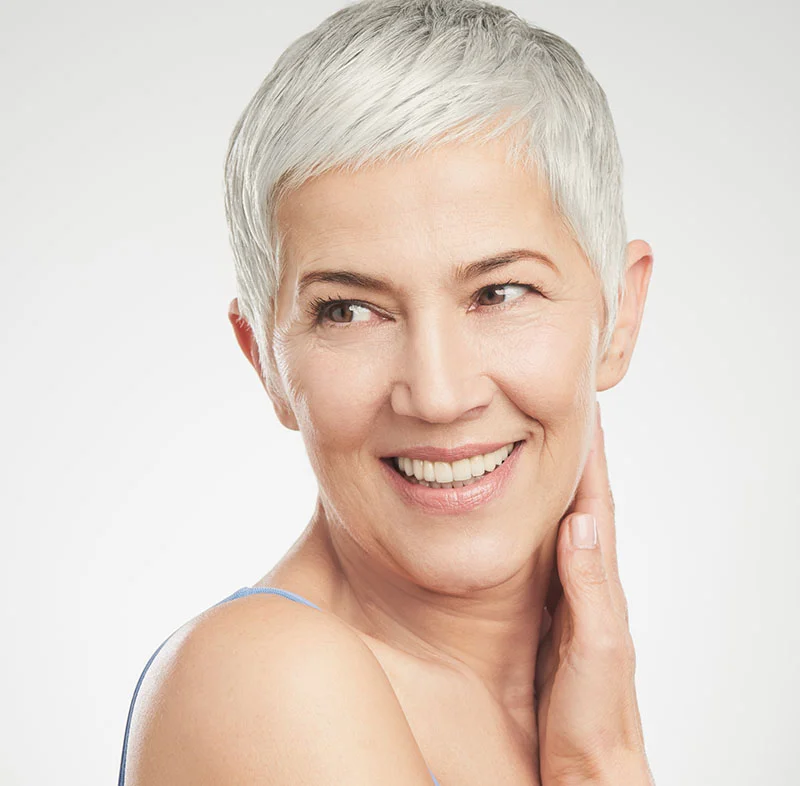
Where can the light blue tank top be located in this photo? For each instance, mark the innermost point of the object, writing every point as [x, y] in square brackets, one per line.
[240, 593]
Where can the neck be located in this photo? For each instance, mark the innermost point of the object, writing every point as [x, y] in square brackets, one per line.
[487, 633]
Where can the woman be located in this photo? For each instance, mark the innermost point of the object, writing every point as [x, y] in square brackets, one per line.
[433, 283]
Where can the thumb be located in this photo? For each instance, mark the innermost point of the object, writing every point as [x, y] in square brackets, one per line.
[584, 577]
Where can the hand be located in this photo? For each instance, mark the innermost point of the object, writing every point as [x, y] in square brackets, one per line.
[589, 727]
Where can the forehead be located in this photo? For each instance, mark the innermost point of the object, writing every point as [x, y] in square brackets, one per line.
[414, 215]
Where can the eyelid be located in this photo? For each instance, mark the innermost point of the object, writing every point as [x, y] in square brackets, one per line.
[319, 305]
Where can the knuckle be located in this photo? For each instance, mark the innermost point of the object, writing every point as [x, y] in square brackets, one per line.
[611, 643]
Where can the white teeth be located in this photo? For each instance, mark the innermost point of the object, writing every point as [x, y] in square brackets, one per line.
[444, 471]
[454, 473]
[462, 470]
[477, 467]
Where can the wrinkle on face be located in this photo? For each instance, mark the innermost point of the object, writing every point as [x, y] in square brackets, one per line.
[429, 368]
[411, 222]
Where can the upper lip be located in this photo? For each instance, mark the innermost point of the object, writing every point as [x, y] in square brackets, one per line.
[432, 453]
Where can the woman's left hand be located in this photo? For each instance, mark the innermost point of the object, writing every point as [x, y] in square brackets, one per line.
[589, 728]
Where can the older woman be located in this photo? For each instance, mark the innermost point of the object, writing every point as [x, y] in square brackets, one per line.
[433, 284]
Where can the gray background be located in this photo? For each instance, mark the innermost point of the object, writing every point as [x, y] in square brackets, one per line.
[145, 476]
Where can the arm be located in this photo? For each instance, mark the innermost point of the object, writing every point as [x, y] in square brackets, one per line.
[269, 693]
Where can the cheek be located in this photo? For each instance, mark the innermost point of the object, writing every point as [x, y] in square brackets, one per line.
[544, 368]
[546, 371]
[336, 392]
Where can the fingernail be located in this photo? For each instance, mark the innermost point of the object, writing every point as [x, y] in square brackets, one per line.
[583, 529]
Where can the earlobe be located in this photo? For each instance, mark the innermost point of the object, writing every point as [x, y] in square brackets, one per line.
[284, 414]
[614, 364]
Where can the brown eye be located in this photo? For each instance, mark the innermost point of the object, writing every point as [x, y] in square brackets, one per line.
[340, 313]
[344, 312]
[501, 293]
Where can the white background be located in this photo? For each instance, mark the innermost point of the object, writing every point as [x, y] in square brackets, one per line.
[145, 476]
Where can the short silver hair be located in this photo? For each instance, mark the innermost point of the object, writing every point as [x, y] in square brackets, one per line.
[382, 79]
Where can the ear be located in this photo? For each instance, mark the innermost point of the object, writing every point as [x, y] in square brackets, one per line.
[248, 345]
[614, 364]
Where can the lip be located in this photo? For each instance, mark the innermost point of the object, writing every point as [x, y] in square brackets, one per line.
[431, 453]
[489, 487]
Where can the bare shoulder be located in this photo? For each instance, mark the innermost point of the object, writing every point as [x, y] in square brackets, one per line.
[266, 691]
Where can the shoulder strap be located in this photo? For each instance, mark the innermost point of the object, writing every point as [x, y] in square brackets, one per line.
[240, 593]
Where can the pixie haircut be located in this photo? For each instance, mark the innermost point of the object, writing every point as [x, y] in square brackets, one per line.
[383, 79]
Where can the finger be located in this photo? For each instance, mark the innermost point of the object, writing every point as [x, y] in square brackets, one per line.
[594, 496]
[582, 501]
[596, 624]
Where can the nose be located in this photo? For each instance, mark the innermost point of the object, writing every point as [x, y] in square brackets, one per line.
[441, 375]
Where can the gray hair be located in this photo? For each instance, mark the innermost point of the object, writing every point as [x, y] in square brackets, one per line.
[381, 79]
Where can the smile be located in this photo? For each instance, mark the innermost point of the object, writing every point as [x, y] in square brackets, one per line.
[451, 474]
[472, 482]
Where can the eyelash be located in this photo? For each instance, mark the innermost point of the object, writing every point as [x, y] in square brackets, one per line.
[318, 306]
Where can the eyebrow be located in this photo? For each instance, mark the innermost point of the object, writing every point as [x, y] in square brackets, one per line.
[463, 272]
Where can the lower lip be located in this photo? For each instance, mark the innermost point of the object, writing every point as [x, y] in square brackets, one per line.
[489, 487]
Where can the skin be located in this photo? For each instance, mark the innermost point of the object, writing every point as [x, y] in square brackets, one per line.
[453, 606]
[589, 726]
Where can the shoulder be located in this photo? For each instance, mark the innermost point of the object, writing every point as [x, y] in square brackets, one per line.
[265, 690]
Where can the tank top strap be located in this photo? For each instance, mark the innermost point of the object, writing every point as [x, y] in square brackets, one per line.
[244, 591]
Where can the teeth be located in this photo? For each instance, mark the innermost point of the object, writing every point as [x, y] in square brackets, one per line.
[452, 474]
[462, 470]
[443, 471]
[477, 466]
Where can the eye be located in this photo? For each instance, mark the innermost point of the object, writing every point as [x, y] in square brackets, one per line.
[499, 294]
[339, 312]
